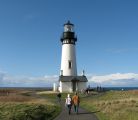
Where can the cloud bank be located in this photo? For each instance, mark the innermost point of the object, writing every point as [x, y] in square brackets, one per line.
[116, 80]
[7, 80]
[109, 80]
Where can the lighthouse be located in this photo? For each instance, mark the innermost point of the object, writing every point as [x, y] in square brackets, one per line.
[69, 81]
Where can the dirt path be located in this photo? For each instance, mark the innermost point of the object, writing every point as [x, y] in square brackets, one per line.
[82, 115]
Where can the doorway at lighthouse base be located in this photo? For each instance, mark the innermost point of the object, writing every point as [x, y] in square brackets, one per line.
[72, 83]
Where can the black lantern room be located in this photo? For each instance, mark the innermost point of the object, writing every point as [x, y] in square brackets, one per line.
[68, 36]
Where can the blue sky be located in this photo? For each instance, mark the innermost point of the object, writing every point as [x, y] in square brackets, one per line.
[30, 45]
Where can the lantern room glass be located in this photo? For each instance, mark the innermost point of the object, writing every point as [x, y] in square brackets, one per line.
[68, 28]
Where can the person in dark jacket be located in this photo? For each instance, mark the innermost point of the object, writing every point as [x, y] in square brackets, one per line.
[59, 97]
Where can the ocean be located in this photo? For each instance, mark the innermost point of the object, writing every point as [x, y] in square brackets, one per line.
[121, 88]
[50, 88]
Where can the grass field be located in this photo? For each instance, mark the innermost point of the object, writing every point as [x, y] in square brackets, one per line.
[26, 105]
[113, 105]
[22, 105]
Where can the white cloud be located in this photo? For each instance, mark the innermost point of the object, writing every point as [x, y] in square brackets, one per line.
[118, 79]
[7, 80]
[117, 76]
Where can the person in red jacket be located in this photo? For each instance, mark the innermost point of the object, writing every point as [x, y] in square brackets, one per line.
[76, 102]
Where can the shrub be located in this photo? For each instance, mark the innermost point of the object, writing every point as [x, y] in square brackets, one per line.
[116, 102]
[133, 101]
[28, 112]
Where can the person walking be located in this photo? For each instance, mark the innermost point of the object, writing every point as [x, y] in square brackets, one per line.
[59, 97]
[68, 103]
[76, 102]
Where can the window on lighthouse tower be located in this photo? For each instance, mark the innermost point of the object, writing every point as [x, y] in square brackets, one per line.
[69, 64]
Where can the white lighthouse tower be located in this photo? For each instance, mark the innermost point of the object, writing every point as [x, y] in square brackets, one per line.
[68, 59]
[69, 81]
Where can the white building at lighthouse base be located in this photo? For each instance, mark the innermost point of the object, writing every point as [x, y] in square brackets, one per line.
[72, 83]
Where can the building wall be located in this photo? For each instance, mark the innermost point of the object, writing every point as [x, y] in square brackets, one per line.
[68, 54]
[82, 85]
[65, 87]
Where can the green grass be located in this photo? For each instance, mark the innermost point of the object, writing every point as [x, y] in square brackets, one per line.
[113, 105]
[53, 96]
[24, 111]
[25, 106]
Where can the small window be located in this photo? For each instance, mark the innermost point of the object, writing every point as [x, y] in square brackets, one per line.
[70, 64]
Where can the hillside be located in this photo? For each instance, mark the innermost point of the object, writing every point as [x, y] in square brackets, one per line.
[113, 105]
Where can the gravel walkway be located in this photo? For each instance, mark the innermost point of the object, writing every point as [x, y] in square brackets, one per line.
[82, 115]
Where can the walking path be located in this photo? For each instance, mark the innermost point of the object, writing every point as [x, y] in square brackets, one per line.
[82, 115]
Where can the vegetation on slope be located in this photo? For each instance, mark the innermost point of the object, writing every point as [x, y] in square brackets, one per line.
[113, 105]
[24, 111]
[25, 106]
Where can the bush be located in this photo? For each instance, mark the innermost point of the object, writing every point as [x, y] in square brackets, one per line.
[133, 101]
[28, 112]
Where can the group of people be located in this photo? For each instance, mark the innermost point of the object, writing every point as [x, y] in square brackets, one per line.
[71, 101]
[74, 101]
